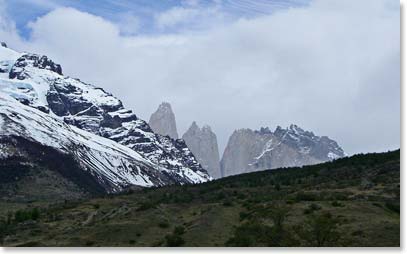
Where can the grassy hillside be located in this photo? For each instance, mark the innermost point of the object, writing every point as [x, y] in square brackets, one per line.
[349, 202]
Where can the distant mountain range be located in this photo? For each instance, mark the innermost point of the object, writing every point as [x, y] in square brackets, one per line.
[85, 139]
[249, 150]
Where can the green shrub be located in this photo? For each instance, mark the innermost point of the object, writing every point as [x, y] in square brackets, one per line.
[377, 205]
[179, 230]
[164, 224]
[220, 195]
[314, 207]
[307, 211]
[146, 205]
[311, 208]
[183, 197]
[243, 215]
[241, 195]
[306, 196]
[89, 243]
[393, 206]
[24, 215]
[290, 202]
[35, 214]
[338, 196]
[357, 233]
[227, 203]
[174, 240]
[319, 230]
[277, 214]
[257, 235]
[337, 204]
[21, 216]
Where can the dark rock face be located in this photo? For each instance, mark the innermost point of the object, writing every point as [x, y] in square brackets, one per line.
[41, 62]
[64, 95]
[4, 67]
[68, 98]
[94, 110]
[112, 166]
[113, 122]
[249, 150]
[3, 44]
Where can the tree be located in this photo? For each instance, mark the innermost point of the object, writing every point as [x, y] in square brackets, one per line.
[276, 212]
[319, 230]
[256, 232]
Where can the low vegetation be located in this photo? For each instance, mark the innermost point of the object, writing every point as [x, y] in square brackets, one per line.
[348, 202]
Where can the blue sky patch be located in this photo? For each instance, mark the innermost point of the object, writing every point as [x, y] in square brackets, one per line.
[144, 11]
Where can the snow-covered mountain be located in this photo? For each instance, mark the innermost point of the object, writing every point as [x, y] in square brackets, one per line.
[83, 120]
[249, 150]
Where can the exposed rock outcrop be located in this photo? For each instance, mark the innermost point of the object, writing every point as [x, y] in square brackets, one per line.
[163, 122]
[204, 145]
[106, 139]
[249, 150]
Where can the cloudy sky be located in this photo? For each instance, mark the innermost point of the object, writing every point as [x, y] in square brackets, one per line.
[330, 66]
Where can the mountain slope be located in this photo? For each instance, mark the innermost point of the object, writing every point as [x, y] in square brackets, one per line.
[113, 165]
[37, 82]
[355, 201]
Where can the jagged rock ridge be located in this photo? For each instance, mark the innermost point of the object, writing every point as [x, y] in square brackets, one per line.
[204, 145]
[249, 150]
[37, 82]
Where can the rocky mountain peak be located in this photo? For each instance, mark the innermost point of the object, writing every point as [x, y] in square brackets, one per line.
[206, 128]
[165, 106]
[92, 124]
[20, 69]
[162, 121]
[264, 130]
[248, 151]
[194, 127]
[243, 131]
[204, 145]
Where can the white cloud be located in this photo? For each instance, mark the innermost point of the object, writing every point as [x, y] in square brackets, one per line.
[8, 31]
[75, 37]
[175, 16]
[129, 24]
[332, 68]
[191, 15]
